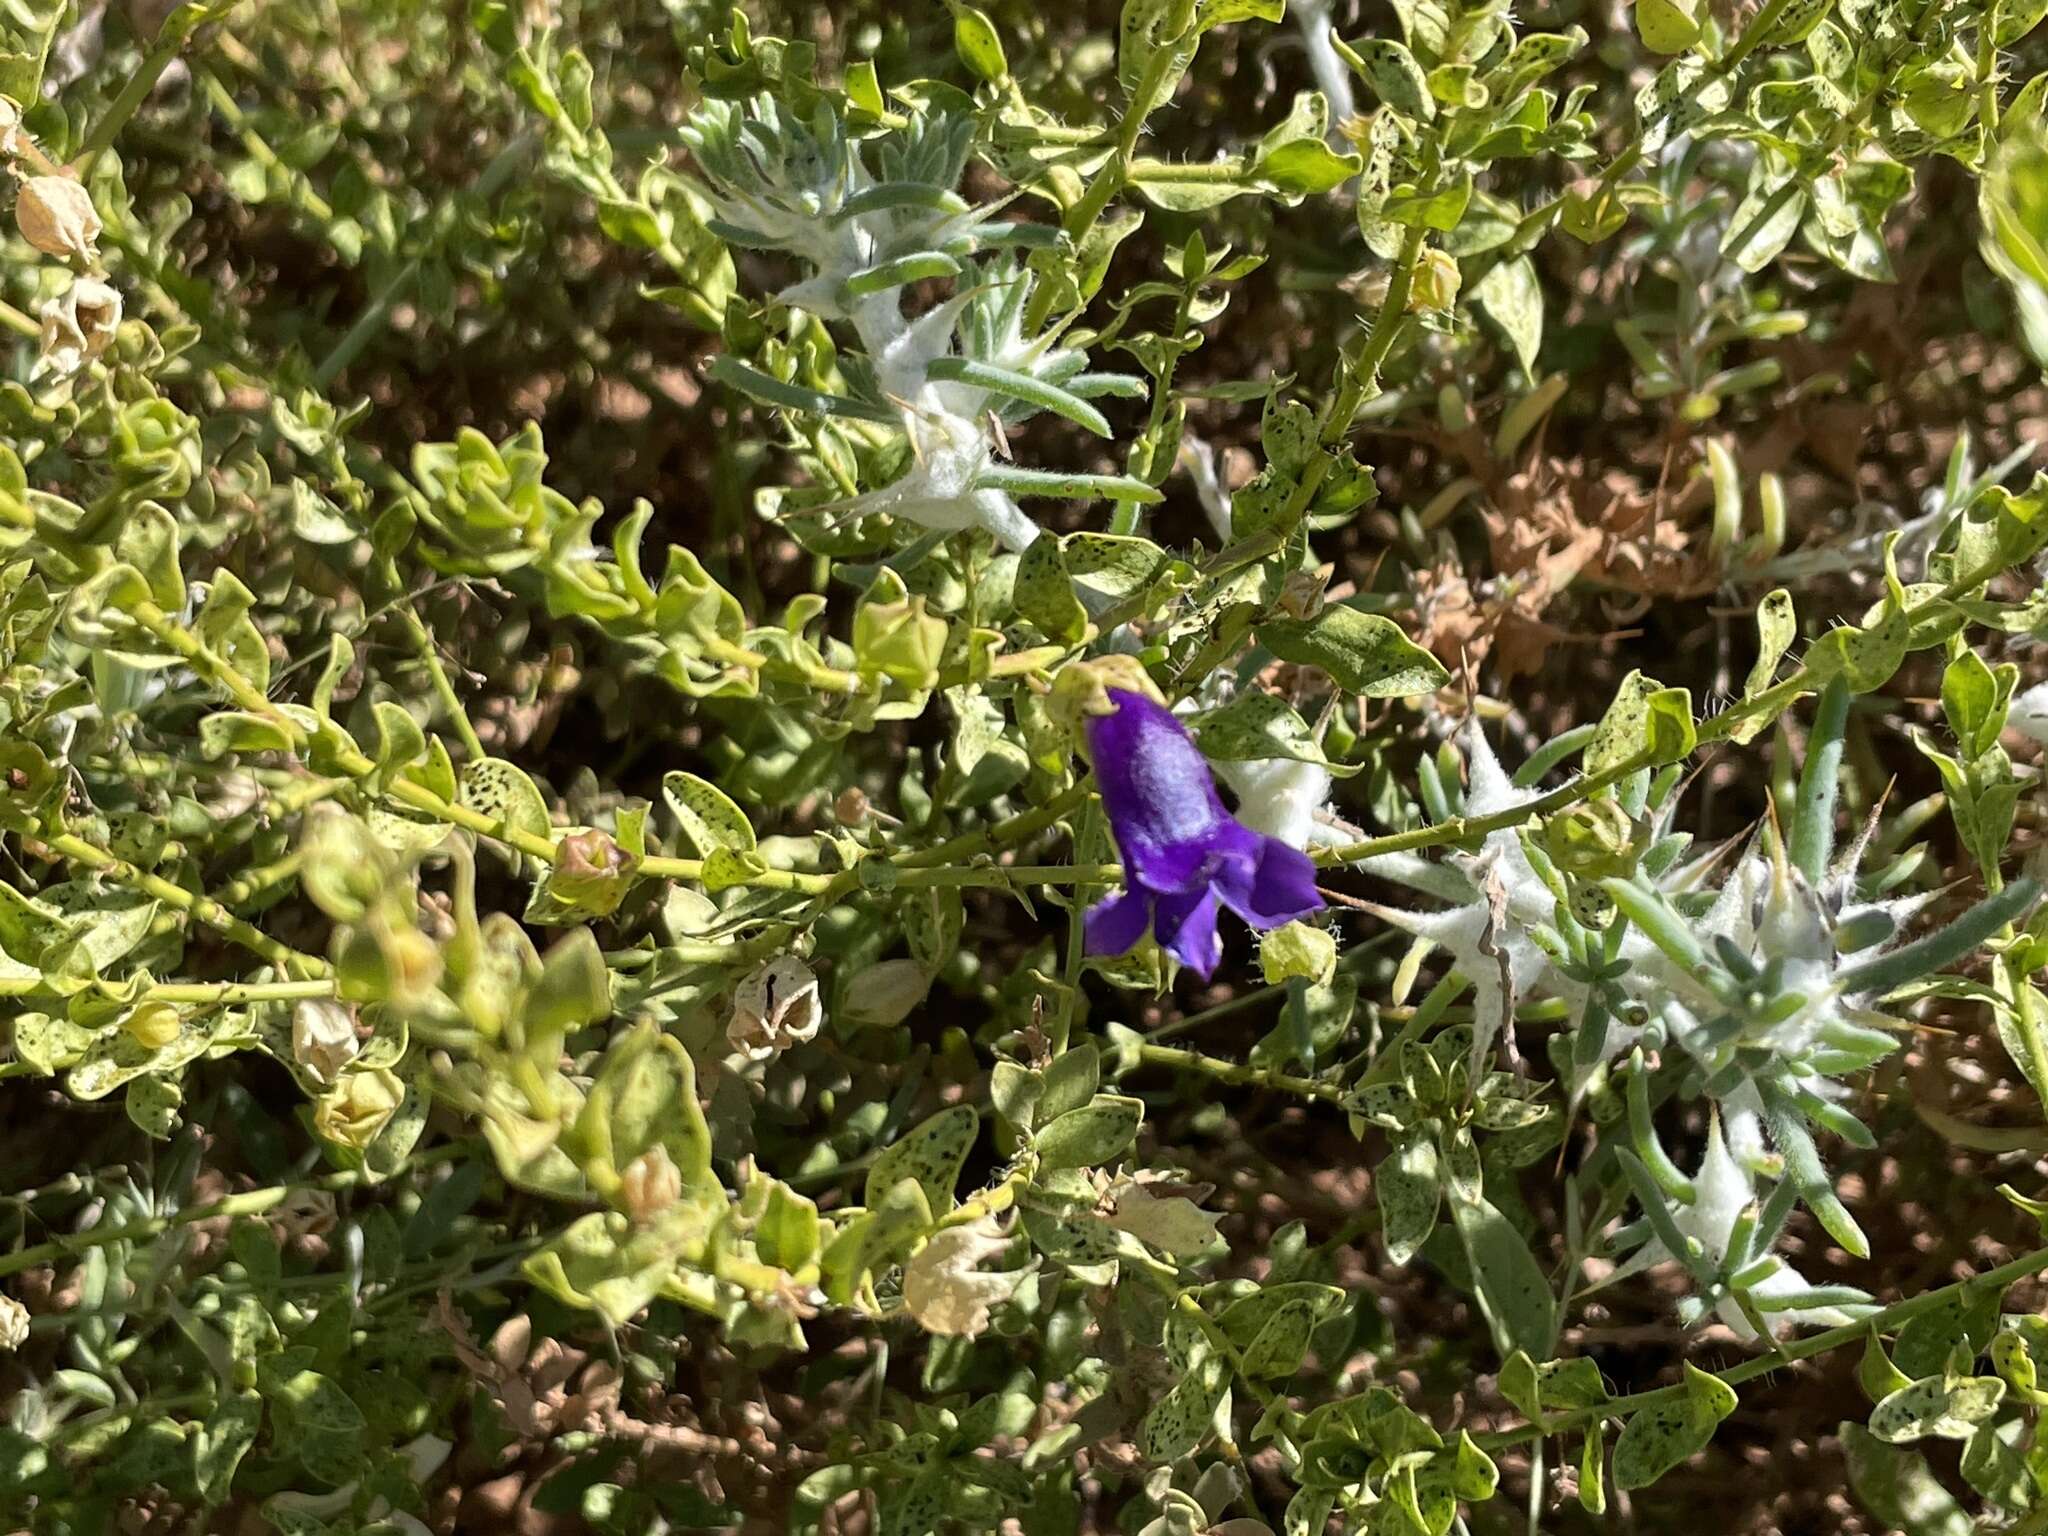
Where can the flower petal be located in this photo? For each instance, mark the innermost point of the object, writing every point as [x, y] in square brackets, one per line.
[1157, 790]
[1276, 887]
[1114, 926]
[1185, 926]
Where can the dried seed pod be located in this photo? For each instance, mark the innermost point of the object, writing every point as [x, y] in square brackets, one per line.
[56, 216]
[650, 1184]
[354, 1112]
[77, 327]
[776, 1007]
[324, 1037]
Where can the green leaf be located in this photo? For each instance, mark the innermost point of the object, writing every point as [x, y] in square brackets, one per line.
[1098, 1132]
[709, 818]
[1657, 1439]
[1593, 1470]
[1969, 694]
[1365, 653]
[980, 47]
[918, 267]
[1939, 1407]
[1777, 626]
[1182, 1419]
[1258, 726]
[220, 1441]
[787, 1233]
[1645, 718]
[30, 26]
[932, 1155]
[1044, 592]
[504, 792]
[1667, 26]
[1512, 299]
[629, 223]
[1277, 1349]
[1513, 1291]
[1994, 1465]
[1119, 566]
[1875, 1372]
[1306, 168]
[749, 380]
[603, 1263]
[1069, 1080]
[235, 730]
[1392, 72]
[1898, 1488]
[1063, 486]
[152, 1104]
[1409, 1189]
[1943, 947]
[1020, 387]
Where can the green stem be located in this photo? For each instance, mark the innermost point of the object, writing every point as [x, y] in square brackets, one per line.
[200, 908]
[1460, 829]
[1191, 172]
[1884, 1321]
[377, 316]
[1003, 834]
[1237, 1073]
[253, 1202]
[198, 994]
[1361, 377]
[132, 96]
[303, 197]
[451, 704]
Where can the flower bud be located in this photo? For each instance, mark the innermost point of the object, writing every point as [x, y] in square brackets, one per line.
[885, 994]
[152, 1025]
[1081, 688]
[776, 1007]
[1298, 951]
[592, 873]
[398, 966]
[415, 962]
[900, 641]
[343, 868]
[77, 328]
[354, 1112]
[56, 216]
[1435, 286]
[13, 1323]
[1592, 840]
[1301, 594]
[650, 1184]
[323, 1037]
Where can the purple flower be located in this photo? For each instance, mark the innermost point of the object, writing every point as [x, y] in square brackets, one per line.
[1183, 853]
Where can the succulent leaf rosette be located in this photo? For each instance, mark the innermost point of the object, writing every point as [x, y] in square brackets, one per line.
[1733, 975]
